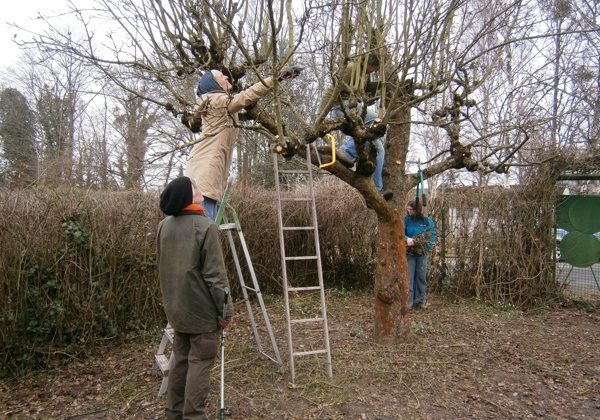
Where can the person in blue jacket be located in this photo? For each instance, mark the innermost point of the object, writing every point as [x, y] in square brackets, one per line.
[420, 235]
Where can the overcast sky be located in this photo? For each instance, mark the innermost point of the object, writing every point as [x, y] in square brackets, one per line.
[23, 13]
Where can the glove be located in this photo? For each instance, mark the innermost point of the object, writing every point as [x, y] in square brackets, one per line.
[225, 324]
[290, 73]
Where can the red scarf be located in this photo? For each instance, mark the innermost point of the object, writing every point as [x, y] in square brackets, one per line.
[192, 209]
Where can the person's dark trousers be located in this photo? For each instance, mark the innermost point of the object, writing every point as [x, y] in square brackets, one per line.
[189, 377]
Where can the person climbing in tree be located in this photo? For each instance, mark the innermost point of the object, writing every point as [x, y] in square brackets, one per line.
[354, 87]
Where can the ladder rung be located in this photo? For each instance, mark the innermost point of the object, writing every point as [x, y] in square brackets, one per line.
[227, 226]
[303, 289]
[308, 353]
[169, 333]
[269, 357]
[308, 257]
[296, 199]
[306, 320]
[251, 289]
[298, 228]
[293, 171]
[163, 363]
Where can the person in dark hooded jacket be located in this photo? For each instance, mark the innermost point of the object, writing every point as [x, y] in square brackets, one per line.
[210, 158]
[420, 233]
[193, 283]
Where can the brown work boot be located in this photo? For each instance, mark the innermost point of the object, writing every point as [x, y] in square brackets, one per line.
[379, 130]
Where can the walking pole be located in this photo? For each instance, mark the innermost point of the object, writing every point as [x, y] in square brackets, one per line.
[421, 181]
[222, 409]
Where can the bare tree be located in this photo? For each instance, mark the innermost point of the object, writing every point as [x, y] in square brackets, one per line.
[55, 84]
[132, 121]
[98, 147]
[438, 57]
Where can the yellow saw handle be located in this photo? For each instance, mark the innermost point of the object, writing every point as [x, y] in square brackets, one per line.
[332, 140]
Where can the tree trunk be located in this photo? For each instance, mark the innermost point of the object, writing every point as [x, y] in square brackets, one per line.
[391, 283]
[392, 320]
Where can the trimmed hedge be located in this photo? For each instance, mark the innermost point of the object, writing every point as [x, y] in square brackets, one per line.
[79, 265]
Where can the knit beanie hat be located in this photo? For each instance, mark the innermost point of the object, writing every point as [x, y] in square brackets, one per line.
[207, 84]
[176, 195]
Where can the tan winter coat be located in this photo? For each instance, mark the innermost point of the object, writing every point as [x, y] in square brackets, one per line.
[210, 159]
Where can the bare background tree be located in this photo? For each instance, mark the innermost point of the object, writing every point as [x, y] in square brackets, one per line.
[469, 86]
[132, 121]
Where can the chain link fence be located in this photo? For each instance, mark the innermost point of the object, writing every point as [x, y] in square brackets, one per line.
[501, 244]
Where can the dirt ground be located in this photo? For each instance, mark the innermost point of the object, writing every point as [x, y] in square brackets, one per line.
[467, 360]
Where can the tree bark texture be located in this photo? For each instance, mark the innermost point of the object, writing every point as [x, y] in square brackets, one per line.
[392, 320]
[391, 282]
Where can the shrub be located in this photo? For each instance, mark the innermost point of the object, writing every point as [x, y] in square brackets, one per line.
[79, 265]
[76, 265]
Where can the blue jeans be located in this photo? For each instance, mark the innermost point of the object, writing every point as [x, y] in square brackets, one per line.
[211, 207]
[349, 145]
[417, 273]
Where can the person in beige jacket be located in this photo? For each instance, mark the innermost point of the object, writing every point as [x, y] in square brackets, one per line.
[210, 159]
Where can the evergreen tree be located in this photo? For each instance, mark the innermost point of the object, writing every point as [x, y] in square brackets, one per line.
[17, 134]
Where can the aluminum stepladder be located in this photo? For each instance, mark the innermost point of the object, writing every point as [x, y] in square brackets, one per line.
[229, 228]
[318, 319]
[163, 362]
